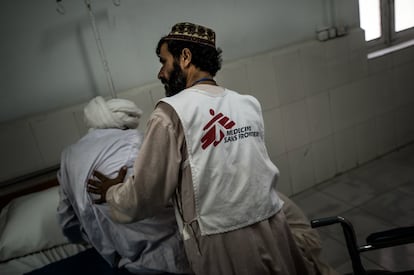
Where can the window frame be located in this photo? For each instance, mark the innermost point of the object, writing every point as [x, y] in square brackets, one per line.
[389, 37]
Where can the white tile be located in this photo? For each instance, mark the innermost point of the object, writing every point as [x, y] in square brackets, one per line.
[408, 187]
[353, 103]
[19, 150]
[324, 159]
[356, 39]
[313, 56]
[142, 98]
[289, 76]
[301, 168]
[157, 91]
[334, 252]
[403, 56]
[284, 183]
[53, 132]
[364, 223]
[338, 71]
[337, 48]
[345, 149]
[385, 97]
[349, 189]
[366, 98]
[379, 64]
[342, 107]
[405, 124]
[367, 141]
[403, 158]
[319, 109]
[396, 207]
[358, 64]
[234, 77]
[337, 62]
[386, 133]
[383, 174]
[295, 124]
[316, 204]
[262, 81]
[274, 132]
[80, 119]
[403, 83]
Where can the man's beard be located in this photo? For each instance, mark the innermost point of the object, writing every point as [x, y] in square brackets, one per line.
[177, 81]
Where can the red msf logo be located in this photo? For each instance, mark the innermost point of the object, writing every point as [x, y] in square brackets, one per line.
[216, 128]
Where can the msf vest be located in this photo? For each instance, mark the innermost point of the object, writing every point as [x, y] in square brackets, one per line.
[233, 178]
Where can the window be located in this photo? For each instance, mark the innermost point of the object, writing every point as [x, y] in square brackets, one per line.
[387, 22]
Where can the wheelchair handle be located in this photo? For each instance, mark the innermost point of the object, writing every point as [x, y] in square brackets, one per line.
[326, 221]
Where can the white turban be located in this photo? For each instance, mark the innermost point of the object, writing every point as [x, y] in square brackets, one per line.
[114, 113]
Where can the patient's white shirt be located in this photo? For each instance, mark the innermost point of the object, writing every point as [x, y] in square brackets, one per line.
[148, 245]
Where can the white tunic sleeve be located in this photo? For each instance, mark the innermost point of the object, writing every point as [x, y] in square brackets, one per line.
[156, 172]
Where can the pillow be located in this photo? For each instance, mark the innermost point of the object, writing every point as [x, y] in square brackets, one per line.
[29, 224]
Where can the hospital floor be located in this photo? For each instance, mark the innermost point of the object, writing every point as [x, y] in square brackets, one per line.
[376, 196]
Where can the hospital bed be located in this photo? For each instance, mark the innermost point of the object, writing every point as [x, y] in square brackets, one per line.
[30, 236]
[31, 241]
[377, 240]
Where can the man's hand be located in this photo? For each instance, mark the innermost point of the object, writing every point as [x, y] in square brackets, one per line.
[101, 186]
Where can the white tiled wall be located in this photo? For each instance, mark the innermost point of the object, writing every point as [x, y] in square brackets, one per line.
[234, 76]
[289, 74]
[345, 149]
[326, 109]
[52, 133]
[144, 99]
[302, 170]
[35, 143]
[19, 150]
[367, 141]
[260, 72]
[386, 132]
[319, 115]
[274, 134]
[295, 124]
[324, 158]
[284, 181]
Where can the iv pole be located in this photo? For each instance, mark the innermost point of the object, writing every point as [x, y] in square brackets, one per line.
[98, 41]
[101, 49]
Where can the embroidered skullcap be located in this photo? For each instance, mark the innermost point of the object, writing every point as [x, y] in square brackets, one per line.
[114, 113]
[193, 33]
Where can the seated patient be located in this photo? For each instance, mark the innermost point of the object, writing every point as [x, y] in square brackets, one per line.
[150, 246]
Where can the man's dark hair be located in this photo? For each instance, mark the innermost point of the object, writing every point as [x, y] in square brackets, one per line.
[206, 58]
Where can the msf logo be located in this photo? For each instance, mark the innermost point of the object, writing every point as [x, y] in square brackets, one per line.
[216, 129]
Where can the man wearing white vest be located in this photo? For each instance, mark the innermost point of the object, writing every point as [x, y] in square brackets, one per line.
[204, 149]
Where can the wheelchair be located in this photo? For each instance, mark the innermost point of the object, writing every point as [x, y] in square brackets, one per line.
[377, 240]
